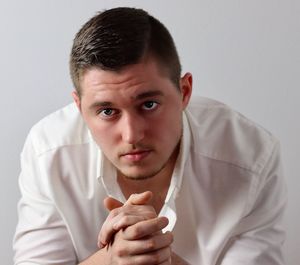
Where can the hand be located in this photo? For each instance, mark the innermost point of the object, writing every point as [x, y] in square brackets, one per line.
[140, 239]
[121, 216]
[130, 217]
[141, 243]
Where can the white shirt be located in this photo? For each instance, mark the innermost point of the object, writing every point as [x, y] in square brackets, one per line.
[225, 202]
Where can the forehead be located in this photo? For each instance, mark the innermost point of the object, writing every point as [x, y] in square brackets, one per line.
[145, 74]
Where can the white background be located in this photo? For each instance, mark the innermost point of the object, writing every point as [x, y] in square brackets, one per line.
[245, 53]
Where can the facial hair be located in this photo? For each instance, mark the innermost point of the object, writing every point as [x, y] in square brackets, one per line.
[170, 161]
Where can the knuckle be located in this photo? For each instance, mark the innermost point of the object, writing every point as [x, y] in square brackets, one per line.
[150, 215]
[122, 223]
[113, 212]
[120, 252]
[151, 245]
[136, 231]
[122, 215]
[149, 208]
[125, 219]
[128, 207]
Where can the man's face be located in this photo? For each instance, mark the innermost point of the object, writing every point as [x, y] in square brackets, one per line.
[135, 116]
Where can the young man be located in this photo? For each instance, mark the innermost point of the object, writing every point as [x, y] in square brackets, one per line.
[182, 182]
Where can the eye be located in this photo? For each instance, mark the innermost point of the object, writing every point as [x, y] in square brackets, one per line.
[149, 105]
[107, 112]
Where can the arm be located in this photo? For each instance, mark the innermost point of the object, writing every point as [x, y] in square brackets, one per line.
[41, 236]
[259, 237]
[176, 260]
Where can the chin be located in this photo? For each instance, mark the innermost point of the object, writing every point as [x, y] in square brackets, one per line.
[139, 174]
[137, 178]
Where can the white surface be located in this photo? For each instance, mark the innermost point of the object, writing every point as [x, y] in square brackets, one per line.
[245, 53]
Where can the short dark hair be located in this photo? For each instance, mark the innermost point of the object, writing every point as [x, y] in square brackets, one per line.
[119, 37]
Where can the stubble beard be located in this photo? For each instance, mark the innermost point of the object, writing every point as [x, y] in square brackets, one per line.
[140, 177]
[171, 160]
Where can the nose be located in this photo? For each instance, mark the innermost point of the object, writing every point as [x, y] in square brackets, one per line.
[132, 129]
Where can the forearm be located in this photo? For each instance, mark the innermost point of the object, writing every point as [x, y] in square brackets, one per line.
[98, 258]
[176, 260]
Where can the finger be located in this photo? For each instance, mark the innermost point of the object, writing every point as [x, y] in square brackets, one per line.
[140, 198]
[111, 226]
[160, 256]
[145, 228]
[107, 230]
[151, 243]
[134, 199]
[126, 221]
[123, 217]
[111, 203]
[105, 236]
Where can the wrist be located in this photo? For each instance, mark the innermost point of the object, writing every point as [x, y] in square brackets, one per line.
[101, 257]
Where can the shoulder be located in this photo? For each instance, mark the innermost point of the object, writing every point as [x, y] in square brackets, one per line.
[63, 127]
[221, 133]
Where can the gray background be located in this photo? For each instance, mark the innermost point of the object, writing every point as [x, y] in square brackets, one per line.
[245, 53]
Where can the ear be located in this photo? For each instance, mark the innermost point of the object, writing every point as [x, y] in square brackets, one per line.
[186, 85]
[76, 99]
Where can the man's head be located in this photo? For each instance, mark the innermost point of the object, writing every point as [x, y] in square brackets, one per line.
[120, 37]
[129, 91]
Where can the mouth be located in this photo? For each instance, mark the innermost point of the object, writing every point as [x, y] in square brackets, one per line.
[136, 156]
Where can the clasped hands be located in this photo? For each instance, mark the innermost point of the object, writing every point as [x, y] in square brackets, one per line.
[132, 233]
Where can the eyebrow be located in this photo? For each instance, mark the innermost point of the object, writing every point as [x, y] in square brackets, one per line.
[100, 104]
[144, 95]
[148, 94]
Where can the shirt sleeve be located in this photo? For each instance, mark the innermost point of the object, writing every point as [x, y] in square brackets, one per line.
[41, 235]
[259, 237]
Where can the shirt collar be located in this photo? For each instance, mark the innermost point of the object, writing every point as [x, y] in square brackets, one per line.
[177, 176]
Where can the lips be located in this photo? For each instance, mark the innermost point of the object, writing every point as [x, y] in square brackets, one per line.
[136, 156]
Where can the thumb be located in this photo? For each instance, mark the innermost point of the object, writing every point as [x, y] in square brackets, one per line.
[140, 198]
[134, 199]
[111, 203]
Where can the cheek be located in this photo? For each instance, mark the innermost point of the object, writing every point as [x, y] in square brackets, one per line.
[167, 127]
[102, 134]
